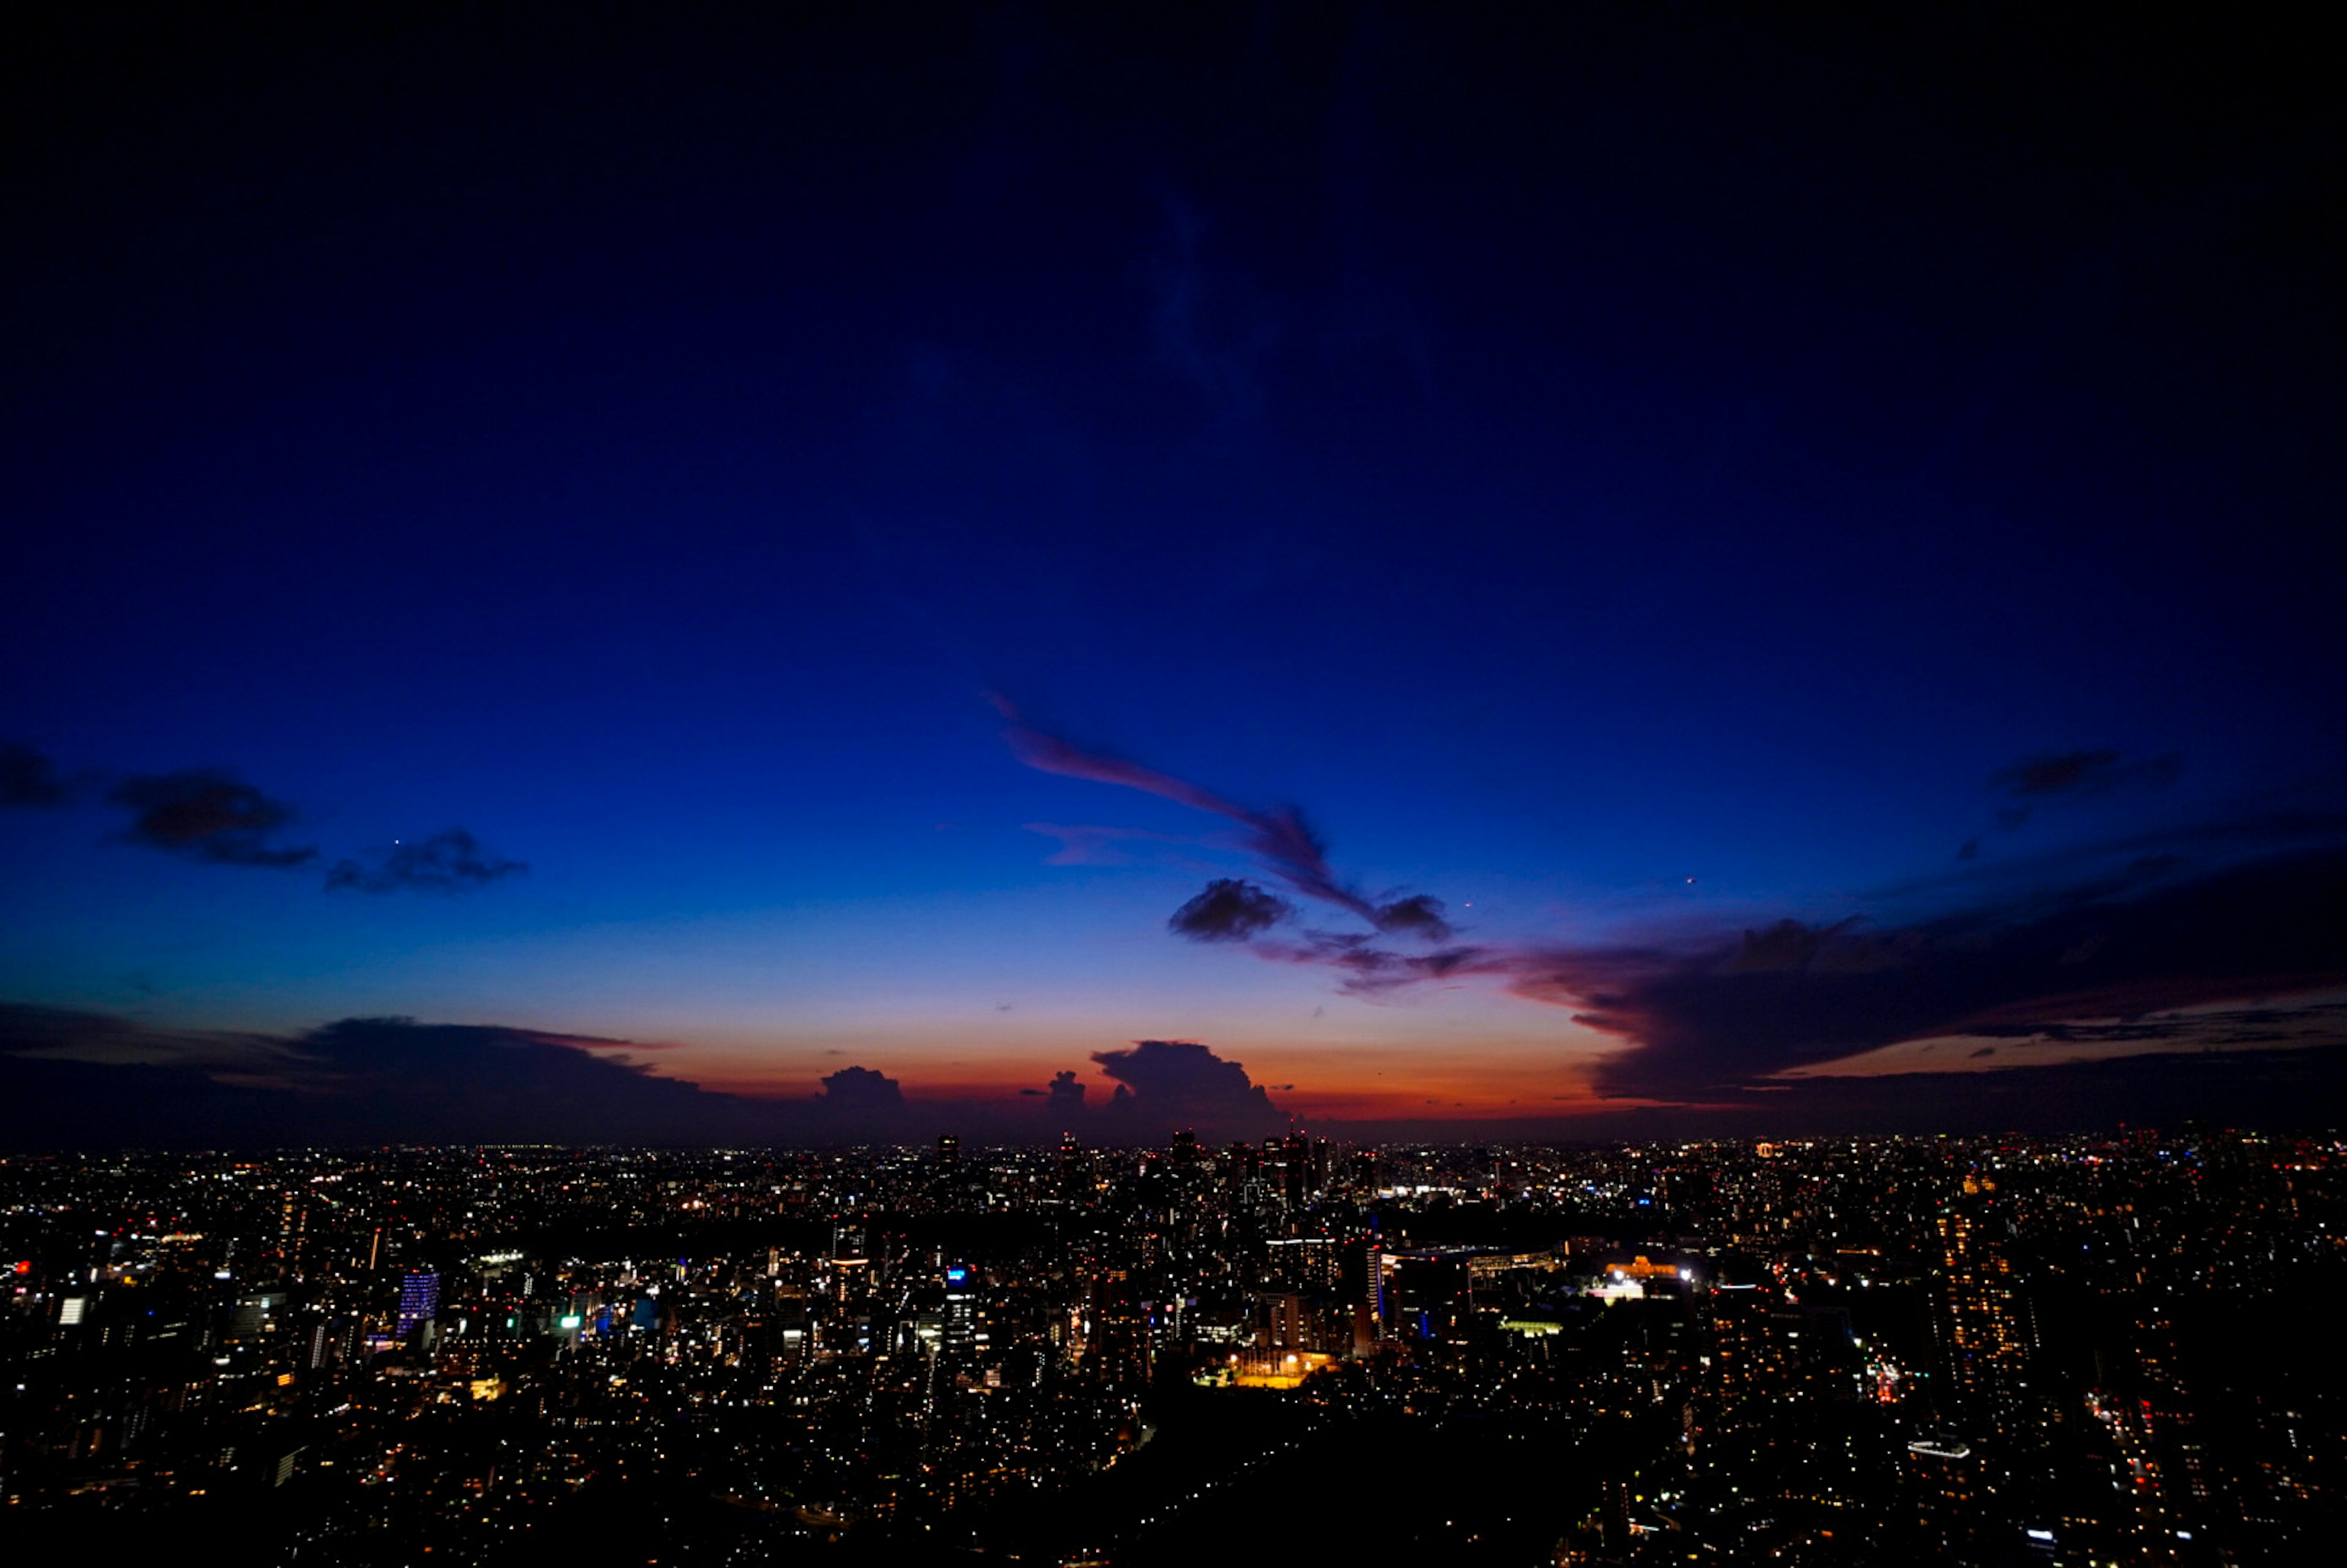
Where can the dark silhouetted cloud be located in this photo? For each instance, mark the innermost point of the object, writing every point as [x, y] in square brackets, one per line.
[2076, 774]
[2258, 828]
[2084, 772]
[863, 1089]
[1703, 1025]
[451, 861]
[1369, 970]
[73, 1078]
[1280, 839]
[29, 779]
[1229, 910]
[475, 1082]
[1419, 915]
[77, 1079]
[1162, 1084]
[2189, 916]
[104, 1038]
[211, 814]
[70, 1079]
[1066, 1094]
[208, 815]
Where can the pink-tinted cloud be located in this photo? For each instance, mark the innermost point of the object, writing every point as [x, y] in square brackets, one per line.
[1279, 838]
[598, 1042]
[2212, 914]
[1088, 844]
[1718, 1019]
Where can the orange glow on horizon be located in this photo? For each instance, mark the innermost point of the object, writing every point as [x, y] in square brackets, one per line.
[1503, 1076]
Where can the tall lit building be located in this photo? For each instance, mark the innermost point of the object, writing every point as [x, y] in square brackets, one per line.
[849, 1269]
[1118, 1343]
[293, 1230]
[1075, 1176]
[1979, 1317]
[419, 1302]
[962, 1311]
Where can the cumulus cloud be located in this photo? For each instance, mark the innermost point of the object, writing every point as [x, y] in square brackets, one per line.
[28, 779]
[450, 861]
[1229, 910]
[208, 815]
[1066, 1095]
[1164, 1084]
[70, 1079]
[861, 1089]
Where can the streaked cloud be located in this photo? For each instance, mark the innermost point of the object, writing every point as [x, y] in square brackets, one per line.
[450, 861]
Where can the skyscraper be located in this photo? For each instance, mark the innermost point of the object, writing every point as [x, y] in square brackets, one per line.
[1074, 1176]
[419, 1302]
[1979, 1319]
[962, 1311]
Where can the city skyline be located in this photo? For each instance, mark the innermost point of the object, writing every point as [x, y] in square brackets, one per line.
[820, 581]
[1963, 1351]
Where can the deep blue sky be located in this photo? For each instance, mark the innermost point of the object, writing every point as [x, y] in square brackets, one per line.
[1562, 456]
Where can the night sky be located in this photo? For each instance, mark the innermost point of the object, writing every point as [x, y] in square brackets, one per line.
[1434, 570]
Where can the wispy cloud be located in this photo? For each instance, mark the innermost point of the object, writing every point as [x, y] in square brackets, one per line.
[1279, 838]
[1088, 844]
[28, 779]
[450, 861]
[1202, 329]
[2076, 774]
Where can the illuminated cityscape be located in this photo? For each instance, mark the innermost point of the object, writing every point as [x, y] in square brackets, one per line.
[1277, 781]
[2069, 1350]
